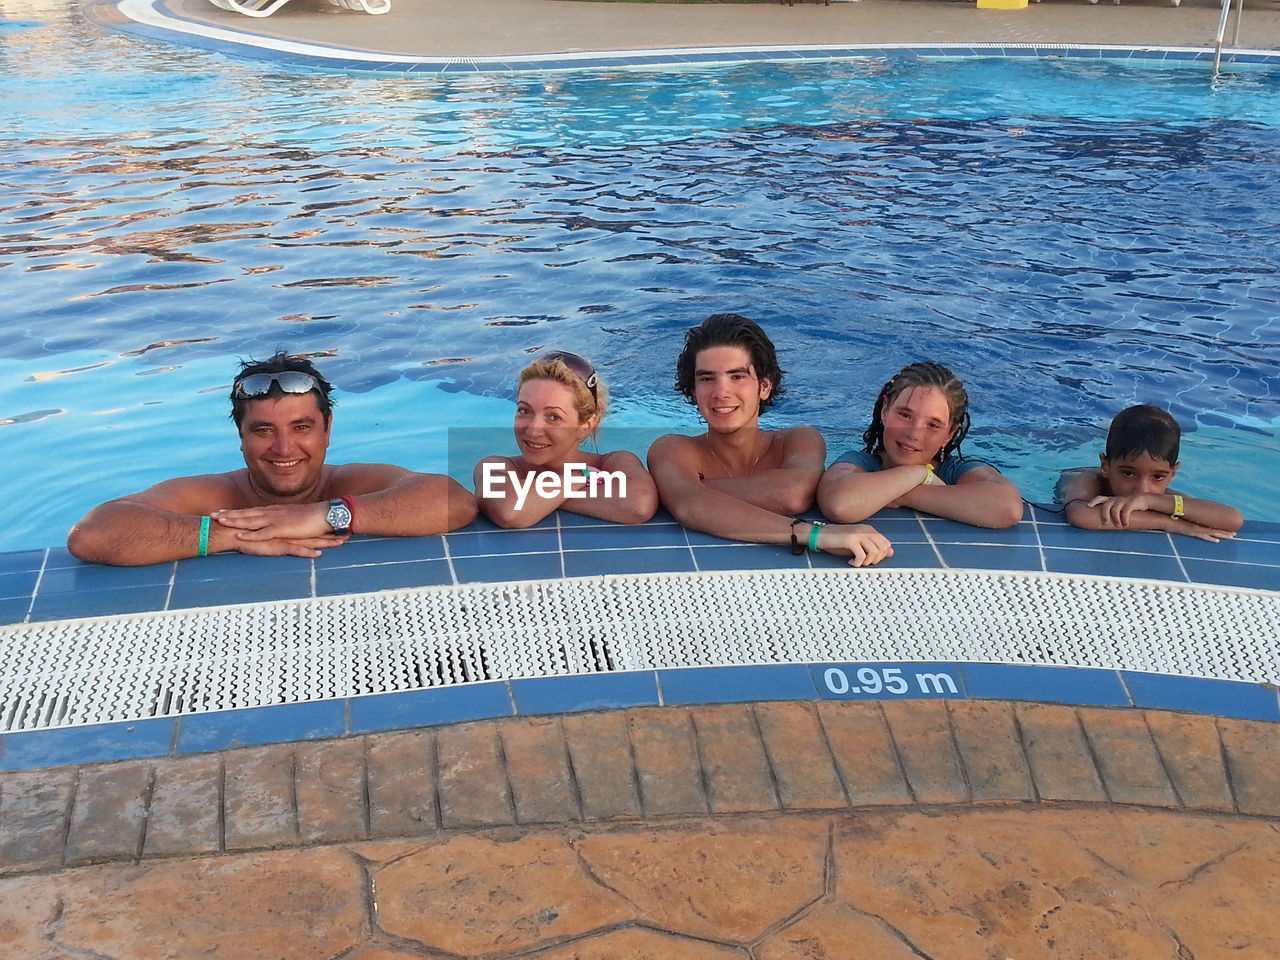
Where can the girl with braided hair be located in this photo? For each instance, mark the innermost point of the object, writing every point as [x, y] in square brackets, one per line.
[912, 458]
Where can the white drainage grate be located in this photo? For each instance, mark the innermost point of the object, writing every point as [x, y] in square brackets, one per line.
[127, 668]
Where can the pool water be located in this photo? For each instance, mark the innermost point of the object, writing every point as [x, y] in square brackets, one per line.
[1071, 236]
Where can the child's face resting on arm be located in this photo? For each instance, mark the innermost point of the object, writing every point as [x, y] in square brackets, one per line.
[1137, 474]
[1131, 484]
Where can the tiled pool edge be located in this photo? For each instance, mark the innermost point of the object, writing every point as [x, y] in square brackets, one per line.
[48, 585]
[152, 20]
[671, 687]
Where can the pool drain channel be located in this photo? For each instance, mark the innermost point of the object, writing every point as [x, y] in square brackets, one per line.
[76, 672]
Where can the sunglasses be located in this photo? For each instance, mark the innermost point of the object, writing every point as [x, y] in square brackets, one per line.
[259, 384]
[579, 365]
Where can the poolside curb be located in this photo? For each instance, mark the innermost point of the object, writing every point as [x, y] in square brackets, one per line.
[636, 766]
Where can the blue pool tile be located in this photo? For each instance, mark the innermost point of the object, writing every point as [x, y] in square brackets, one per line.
[234, 590]
[912, 555]
[1118, 541]
[36, 749]
[95, 576]
[495, 542]
[748, 556]
[1239, 550]
[887, 681]
[1080, 685]
[13, 610]
[619, 535]
[424, 708]
[61, 557]
[697, 538]
[568, 519]
[585, 692]
[1222, 698]
[787, 681]
[535, 566]
[1233, 574]
[99, 603]
[1047, 513]
[254, 726]
[20, 584]
[900, 531]
[948, 531]
[224, 565]
[978, 557]
[1260, 530]
[905, 555]
[382, 576]
[1100, 563]
[359, 551]
[21, 560]
[588, 563]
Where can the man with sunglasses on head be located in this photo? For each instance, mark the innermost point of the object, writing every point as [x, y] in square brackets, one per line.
[286, 500]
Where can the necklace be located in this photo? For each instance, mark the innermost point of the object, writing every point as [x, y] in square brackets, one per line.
[724, 466]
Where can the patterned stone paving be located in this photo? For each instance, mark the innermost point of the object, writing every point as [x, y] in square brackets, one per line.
[770, 830]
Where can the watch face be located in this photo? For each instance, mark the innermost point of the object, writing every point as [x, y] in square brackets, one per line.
[339, 516]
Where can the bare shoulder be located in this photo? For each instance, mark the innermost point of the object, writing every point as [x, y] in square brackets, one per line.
[800, 434]
[620, 460]
[983, 473]
[796, 444]
[195, 495]
[673, 446]
[1081, 483]
[352, 479]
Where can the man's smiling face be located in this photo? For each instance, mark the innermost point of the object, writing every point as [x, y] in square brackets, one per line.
[284, 440]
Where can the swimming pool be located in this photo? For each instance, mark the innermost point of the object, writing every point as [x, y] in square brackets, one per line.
[1073, 236]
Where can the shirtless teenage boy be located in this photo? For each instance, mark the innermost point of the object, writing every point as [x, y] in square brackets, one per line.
[737, 481]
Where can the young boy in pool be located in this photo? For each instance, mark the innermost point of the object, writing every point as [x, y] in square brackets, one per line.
[1130, 488]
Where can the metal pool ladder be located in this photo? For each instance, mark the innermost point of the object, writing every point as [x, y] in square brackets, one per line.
[1222, 32]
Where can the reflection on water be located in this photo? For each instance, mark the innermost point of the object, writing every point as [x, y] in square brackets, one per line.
[1071, 237]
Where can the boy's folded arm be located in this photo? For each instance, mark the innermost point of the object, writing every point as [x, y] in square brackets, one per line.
[1094, 517]
[1210, 513]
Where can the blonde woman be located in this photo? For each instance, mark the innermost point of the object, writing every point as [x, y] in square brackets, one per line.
[560, 404]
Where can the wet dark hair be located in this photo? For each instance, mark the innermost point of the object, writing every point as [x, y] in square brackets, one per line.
[280, 362]
[1144, 429]
[922, 375]
[729, 330]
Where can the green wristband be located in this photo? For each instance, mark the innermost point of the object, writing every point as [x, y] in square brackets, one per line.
[204, 536]
[813, 535]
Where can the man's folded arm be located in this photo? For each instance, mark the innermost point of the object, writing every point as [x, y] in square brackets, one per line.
[391, 501]
[158, 525]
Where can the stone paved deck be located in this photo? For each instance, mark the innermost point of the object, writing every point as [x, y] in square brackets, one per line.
[767, 830]
[486, 28]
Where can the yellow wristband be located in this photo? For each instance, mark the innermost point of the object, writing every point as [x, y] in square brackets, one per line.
[930, 477]
[1177, 507]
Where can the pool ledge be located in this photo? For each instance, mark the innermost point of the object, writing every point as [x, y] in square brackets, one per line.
[613, 36]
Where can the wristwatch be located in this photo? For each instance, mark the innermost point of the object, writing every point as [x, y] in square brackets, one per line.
[339, 517]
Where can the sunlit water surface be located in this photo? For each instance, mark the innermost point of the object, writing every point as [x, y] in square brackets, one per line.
[1070, 236]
